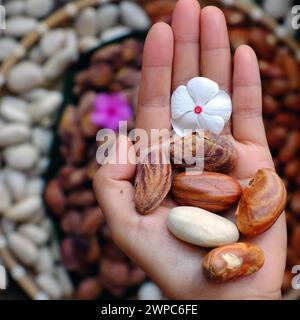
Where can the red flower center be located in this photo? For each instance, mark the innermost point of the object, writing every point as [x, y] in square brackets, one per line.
[198, 109]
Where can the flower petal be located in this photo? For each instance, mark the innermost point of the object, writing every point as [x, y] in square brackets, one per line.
[220, 105]
[181, 102]
[214, 124]
[125, 113]
[202, 90]
[102, 102]
[99, 119]
[187, 121]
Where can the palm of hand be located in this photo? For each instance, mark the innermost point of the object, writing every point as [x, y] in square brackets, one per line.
[174, 265]
[178, 265]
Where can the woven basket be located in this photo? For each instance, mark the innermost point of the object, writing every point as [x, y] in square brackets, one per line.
[61, 17]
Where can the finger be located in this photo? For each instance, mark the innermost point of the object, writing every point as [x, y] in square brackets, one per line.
[215, 50]
[115, 193]
[154, 99]
[215, 47]
[247, 98]
[185, 25]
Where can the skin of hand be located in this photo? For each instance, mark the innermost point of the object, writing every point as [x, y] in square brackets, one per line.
[196, 44]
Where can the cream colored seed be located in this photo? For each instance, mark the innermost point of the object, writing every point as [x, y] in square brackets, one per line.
[232, 260]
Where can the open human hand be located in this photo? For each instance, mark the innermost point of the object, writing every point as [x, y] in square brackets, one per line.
[196, 44]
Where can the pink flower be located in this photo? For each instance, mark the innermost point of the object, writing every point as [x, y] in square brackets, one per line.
[110, 109]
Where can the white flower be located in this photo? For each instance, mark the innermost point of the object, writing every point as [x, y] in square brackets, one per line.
[200, 105]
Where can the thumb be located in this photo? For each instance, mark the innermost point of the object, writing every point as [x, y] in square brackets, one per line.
[115, 192]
